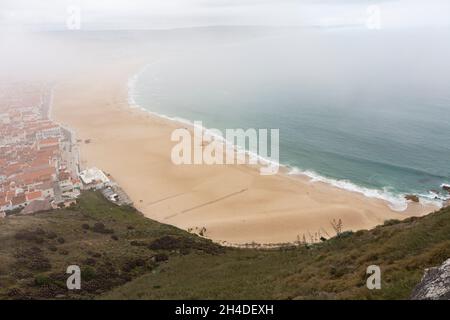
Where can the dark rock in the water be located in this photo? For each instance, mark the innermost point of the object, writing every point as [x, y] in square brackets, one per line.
[412, 198]
[435, 284]
[446, 187]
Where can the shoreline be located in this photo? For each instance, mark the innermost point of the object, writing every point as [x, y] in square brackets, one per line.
[397, 201]
[233, 203]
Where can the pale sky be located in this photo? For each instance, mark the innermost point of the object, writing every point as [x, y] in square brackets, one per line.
[151, 14]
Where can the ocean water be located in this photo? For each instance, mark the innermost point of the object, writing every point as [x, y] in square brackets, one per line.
[365, 111]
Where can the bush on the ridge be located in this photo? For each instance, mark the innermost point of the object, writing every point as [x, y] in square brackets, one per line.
[173, 243]
[51, 235]
[161, 257]
[391, 222]
[100, 228]
[42, 280]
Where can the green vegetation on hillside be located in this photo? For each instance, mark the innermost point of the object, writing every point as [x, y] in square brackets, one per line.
[123, 255]
[111, 244]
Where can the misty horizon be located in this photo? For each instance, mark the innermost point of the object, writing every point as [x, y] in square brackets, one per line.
[159, 14]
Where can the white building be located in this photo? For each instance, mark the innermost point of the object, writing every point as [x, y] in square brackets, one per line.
[94, 178]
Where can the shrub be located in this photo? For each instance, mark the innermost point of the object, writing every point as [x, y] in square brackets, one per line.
[133, 263]
[42, 280]
[88, 273]
[391, 222]
[172, 243]
[138, 243]
[39, 263]
[72, 206]
[51, 235]
[90, 261]
[345, 234]
[15, 293]
[161, 257]
[100, 228]
[185, 251]
[26, 235]
[337, 271]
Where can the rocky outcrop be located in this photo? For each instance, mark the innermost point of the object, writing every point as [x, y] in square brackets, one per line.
[412, 197]
[435, 284]
[446, 187]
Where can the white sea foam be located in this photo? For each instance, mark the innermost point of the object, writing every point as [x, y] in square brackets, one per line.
[434, 198]
[397, 202]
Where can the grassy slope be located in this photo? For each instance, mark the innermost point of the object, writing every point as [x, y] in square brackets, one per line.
[198, 269]
[33, 261]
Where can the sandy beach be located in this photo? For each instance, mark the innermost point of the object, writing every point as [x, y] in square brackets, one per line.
[234, 203]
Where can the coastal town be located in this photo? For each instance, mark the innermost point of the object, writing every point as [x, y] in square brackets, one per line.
[39, 159]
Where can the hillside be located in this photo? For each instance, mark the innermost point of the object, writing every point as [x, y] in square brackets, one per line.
[123, 255]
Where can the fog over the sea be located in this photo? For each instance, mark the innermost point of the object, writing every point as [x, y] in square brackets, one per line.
[22, 50]
[151, 14]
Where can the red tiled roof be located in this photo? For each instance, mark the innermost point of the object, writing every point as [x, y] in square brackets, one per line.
[44, 174]
[64, 175]
[18, 200]
[12, 169]
[10, 195]
[45, 186]
[3, 201]
[49, 141]
[33, 195]
[40, 162]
